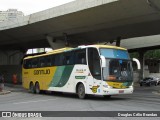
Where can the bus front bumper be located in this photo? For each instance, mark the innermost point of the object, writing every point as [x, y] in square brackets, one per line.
[113, 91]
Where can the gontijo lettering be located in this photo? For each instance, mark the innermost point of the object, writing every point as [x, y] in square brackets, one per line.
[40, 72]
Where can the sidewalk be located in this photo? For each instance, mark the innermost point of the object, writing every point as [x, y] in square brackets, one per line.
[8, 88]
[3, 92]
[12, 85]
[136, 84]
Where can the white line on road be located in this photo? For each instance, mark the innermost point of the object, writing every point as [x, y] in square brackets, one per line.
[33, 101]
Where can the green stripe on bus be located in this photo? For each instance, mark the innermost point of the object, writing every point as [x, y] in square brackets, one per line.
[80, 77]
[61, 76]
[57, 76]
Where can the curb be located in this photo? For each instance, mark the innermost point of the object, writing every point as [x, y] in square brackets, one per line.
[136, 85]
[12, 85]
[5, 92]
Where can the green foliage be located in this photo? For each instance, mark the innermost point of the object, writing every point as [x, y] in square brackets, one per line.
[152, 54]
[148, 54]
[134, 55]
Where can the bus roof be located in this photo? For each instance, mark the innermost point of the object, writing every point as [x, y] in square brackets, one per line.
[69, 49]
[106, 46]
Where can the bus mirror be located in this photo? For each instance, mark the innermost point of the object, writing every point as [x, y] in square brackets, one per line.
[103, 61]
[138, 63]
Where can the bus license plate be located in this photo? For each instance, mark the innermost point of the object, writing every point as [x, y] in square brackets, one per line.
[121, 91]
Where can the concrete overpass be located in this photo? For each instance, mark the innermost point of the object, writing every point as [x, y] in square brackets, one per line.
[79, 22]
[84, 22]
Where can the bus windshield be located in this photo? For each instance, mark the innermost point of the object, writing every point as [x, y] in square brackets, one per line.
[118, 66]
[114, 53]
[118, 70]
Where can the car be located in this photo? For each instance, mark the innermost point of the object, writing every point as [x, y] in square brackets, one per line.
[156, 79]
[150, 81]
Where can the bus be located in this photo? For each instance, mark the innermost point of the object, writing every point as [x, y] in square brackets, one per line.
[91, 69]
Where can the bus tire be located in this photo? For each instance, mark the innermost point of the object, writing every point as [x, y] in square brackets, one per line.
[81, 91]
[37, 88]
[31, 87]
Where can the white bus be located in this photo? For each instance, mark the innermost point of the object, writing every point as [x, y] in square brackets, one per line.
[92, 69]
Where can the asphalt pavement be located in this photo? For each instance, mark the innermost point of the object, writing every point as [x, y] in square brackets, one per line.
[143, 99]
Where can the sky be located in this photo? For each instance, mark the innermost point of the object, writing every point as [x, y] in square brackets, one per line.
[30, 6]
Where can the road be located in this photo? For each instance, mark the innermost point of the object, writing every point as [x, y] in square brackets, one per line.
[143, 99]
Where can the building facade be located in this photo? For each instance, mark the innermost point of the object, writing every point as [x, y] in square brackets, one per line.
[10, 14]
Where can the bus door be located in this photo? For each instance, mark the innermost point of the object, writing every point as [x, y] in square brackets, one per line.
[95, 70]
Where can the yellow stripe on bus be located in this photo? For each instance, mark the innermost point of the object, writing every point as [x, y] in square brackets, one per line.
[116, 85]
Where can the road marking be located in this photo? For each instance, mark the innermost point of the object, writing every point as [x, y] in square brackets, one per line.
[33, 101]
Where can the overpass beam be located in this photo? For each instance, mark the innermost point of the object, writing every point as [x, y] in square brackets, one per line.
[55, 44]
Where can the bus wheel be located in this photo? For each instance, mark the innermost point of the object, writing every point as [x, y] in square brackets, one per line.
[31, 88]
[107, 96]
[37, 88]
[81, 91]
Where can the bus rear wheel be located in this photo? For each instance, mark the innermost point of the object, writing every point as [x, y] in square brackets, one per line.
[31, 88]
[81, 91]
[37, 88]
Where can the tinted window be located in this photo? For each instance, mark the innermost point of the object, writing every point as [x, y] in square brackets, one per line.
[58, 59]
[48, 61]
[42, 62]
[94, 63]
[68, 58]
[80, 57]
[35, 63]
[27, 63]
[114, 53]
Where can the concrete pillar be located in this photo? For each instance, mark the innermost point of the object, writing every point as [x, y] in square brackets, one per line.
[11, 57]
[10, 63]
[142, 61]
[55, 44]
[118, 41]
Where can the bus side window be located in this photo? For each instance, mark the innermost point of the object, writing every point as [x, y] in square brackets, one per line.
[42, 62]
[30, 64]
[53, 60]
[58, 59]
[35, 63]
[48, 61]
[27, 64]
[94, 63]
[68, 58]
[80, 57]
